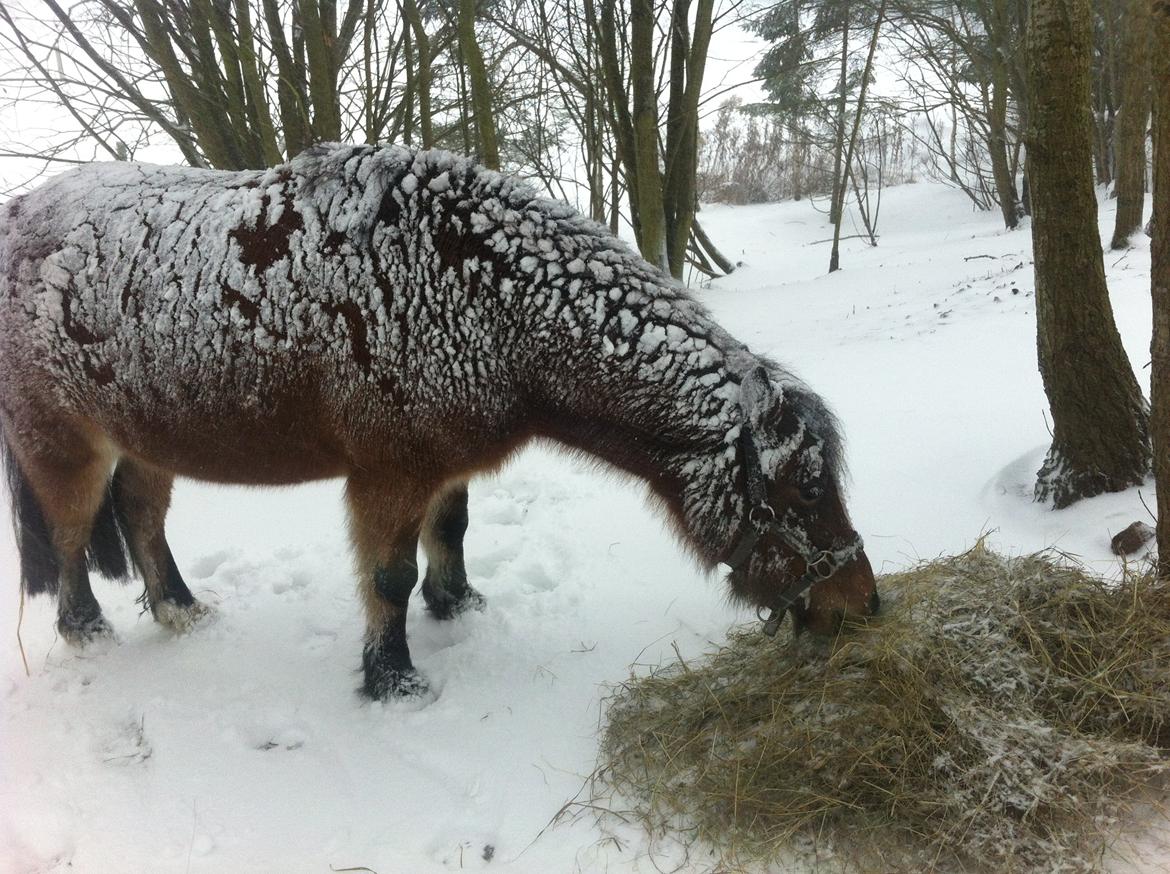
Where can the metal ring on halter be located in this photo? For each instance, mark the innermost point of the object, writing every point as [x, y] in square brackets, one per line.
[772, 622]
[822, 566]
[762, 515]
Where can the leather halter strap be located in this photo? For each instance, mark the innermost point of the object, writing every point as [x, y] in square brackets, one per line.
[760, 517]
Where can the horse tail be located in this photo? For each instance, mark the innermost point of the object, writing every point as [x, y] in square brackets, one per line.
[108, 554]
[39, 566]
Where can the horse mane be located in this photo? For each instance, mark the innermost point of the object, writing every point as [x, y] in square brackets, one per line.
[810, 408]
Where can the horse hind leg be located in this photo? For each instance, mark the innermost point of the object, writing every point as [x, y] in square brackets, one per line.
[445, 588]
[66, 477]
[141, 498]
[384, 525]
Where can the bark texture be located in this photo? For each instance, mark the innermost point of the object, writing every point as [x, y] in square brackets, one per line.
[1100, 437]
[1160, 276]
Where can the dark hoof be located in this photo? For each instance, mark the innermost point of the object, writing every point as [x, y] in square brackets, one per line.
[79, 631]
[394, 684]
[443, 605]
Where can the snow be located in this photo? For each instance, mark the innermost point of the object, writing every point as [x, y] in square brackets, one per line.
[243, 745]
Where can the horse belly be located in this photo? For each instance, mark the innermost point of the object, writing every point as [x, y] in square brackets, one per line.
[285, 440]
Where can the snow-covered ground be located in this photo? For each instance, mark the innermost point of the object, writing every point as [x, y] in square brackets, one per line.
[244, 747]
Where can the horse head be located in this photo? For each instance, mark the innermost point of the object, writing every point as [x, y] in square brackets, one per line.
[796, 550]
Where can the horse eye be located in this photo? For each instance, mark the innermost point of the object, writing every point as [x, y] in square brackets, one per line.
[809, 495]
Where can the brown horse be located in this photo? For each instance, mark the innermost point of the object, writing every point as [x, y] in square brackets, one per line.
[405, 320]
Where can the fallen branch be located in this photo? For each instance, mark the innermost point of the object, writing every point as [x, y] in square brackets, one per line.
[708, 247]
[850, 237]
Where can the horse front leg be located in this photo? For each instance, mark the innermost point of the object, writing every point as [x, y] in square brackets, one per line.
[384, 524]
[445, 588]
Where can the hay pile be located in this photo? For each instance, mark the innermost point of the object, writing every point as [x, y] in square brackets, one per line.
[1002, 714]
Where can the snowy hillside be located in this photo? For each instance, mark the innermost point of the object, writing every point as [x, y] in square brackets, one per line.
[244, 747]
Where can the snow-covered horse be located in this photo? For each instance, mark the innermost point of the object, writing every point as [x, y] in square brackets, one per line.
[405, 320]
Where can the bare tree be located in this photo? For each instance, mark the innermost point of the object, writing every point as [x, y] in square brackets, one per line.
[234, 83]
[967, 65]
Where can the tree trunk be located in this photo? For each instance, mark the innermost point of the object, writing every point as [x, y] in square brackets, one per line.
[650, 208]
[293, 103]
[422, 79]
[1104, 111]
[1005, 182]
[1160, 277]
[319, 39]
[688, 63]
[1130, 131]
[481, 89]
[1100, 440]
[838, 196]
[835, 254]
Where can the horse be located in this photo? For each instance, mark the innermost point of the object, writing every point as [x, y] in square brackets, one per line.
[403, 319]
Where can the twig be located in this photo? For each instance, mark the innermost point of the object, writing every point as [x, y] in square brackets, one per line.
[355, 868]
[850, 237]
[194, 826]
[1142, 498]
[976, 257]
[706, 271]
[19, 642]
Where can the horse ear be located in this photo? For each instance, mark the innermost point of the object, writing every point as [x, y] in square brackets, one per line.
[756, 396]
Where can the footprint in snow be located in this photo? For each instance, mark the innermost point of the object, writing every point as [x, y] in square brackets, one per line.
[204, 567]
[293, 582]
[499, 508]
[488, 563]
[319, 640]
[537, 573]
[125, 743]
[269, 735]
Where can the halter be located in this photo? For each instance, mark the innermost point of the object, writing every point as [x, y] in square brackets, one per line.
[820, 564]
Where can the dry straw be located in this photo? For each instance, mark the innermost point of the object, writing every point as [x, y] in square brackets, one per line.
[1003, 714]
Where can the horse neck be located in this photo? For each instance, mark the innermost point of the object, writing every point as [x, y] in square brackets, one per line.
[662, 402]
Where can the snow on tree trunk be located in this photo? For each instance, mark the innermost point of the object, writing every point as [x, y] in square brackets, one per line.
[1100, 439]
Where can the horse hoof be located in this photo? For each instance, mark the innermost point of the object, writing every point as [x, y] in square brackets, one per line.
[181, 618]
[80, 632]
[398, 685]
[444, 605]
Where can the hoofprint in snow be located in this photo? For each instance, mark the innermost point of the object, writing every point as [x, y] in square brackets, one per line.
[242, 745]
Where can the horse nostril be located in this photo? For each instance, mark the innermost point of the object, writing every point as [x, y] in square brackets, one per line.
[875, 603]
